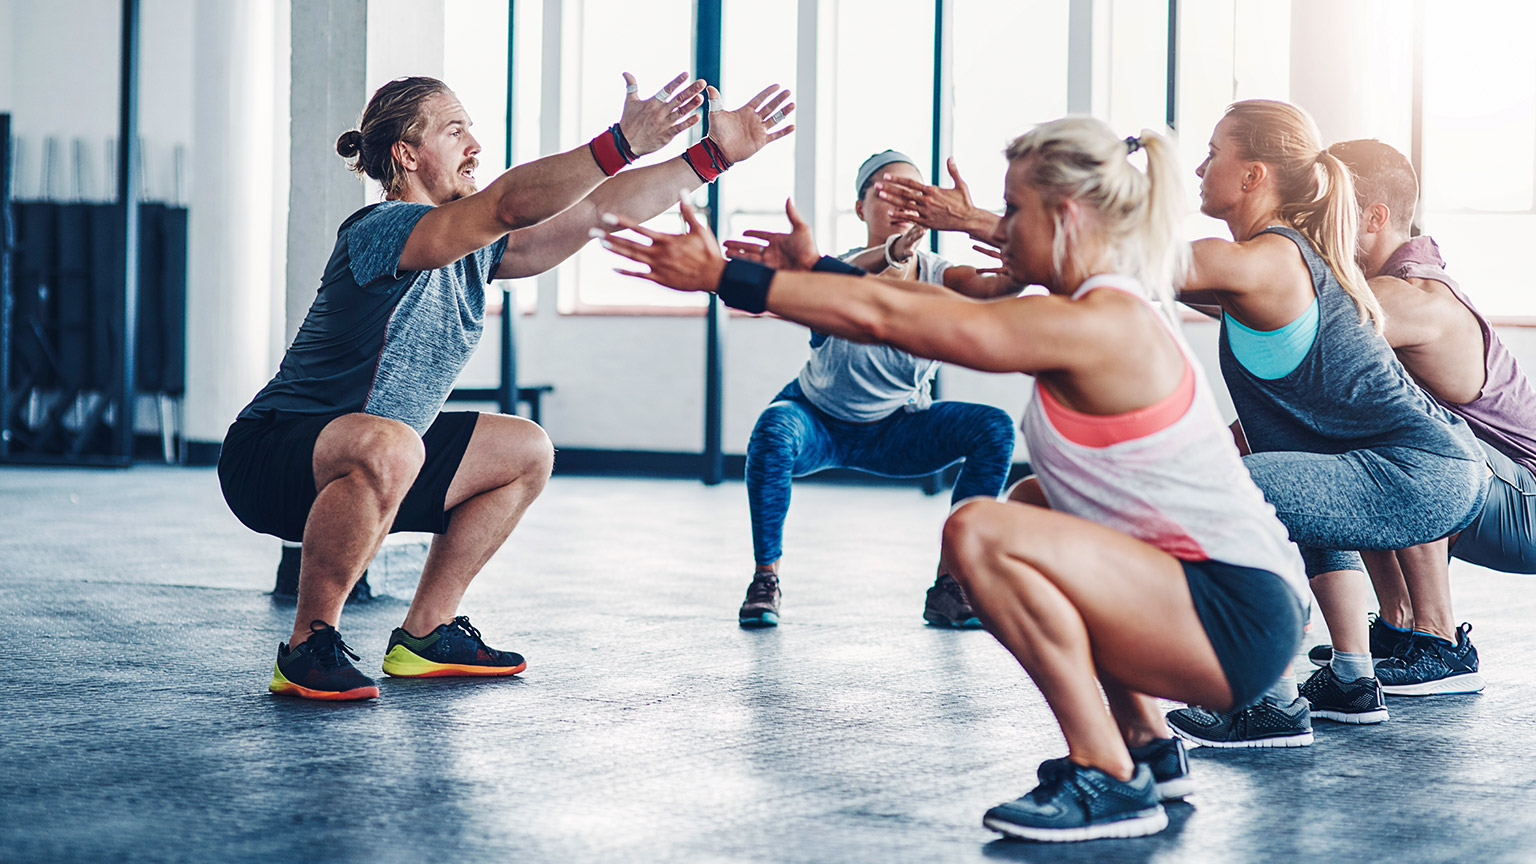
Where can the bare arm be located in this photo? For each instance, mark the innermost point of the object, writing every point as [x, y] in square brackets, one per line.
[1263, 280]
[973, 283]
[534, 191]
[643, 193]
[639, 195]
[1412, 317]
[1024, 334]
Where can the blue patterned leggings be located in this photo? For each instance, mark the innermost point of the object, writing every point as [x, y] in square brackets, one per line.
[794, 438]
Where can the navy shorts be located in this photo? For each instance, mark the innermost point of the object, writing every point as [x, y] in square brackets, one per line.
[1503, 536]
[1253, 620]
[267, 472]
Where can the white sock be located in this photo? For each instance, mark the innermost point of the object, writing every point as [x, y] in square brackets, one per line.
[1282, 692]
[1349, 667]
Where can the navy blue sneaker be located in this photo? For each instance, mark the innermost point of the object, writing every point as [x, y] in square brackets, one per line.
[1431, 666]
[452, 649]
[1385, 640]
[1262, 724]
[1167, 757]
[1074, 802]
[1358, 701]
[947, 606]
[318, 668]
[1169, 761]
[761, 608]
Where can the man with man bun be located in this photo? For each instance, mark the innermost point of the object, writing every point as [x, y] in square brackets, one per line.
[346, 443]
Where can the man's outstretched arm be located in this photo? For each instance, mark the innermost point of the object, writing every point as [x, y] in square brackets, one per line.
[534, 191]
[646, 192]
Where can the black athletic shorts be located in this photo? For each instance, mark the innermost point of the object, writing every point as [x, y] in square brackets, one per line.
[267, 471]
[1253, 620]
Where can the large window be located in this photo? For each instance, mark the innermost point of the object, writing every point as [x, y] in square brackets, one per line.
[1479, 157]
[759, 47]
[604, 39]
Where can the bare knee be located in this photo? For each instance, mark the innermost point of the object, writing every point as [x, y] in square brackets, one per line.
[970, 535]
[527, 448]
[385, 454]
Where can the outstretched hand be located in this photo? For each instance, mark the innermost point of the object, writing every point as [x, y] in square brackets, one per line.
[932, 206]
[648, 124]
[901, 250]
[990, 252]
[751, 127]
[793, 251]
[690, 261]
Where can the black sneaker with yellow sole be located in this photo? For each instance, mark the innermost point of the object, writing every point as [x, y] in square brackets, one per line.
[454, 649]
[319, 668]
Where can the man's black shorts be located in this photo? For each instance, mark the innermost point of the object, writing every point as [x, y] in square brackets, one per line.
[267, 471]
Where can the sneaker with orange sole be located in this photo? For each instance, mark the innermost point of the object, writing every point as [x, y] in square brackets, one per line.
[453, 649]
[318, 668]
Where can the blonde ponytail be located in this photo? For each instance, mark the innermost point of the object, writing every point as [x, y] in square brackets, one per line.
[1332, 225]
[1164, 253]
[1317, 193]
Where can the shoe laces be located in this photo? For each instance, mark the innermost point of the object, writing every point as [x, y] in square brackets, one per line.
[1053, 774]
[763, 587]
[462, 624]
[326, 646]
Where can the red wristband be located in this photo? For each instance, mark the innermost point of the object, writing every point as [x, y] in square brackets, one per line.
[706, 160]
[608, 150]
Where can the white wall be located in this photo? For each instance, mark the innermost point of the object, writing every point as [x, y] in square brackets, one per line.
[622, 383]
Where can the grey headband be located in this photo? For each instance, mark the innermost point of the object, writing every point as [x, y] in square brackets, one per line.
[874, 163]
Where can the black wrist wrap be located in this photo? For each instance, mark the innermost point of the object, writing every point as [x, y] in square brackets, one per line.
[744, 285]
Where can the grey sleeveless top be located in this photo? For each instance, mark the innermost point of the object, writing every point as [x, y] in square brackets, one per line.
[1349, 393]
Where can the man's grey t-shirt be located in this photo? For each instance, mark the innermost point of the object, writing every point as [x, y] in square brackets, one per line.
[863, 383]
[378, 340]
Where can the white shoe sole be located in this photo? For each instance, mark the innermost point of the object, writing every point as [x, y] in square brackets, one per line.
[1176, 789]
[1471, 682]
[1140, 825]
[1304, 740]
[1361, 718]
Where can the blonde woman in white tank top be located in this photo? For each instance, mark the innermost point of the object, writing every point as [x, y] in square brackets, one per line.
[1122, 584]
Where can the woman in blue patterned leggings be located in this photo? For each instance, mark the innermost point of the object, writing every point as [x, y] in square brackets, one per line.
[868, 407]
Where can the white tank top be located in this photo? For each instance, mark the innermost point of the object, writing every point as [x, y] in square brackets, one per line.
[1181, 487]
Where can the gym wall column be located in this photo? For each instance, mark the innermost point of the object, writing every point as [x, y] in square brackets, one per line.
[328, 91]
[231, 273]
[1352, 68]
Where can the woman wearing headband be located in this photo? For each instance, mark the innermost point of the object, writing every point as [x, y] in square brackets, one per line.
[1142, 558]
[869, 407]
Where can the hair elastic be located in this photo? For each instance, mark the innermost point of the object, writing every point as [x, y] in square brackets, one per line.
[1132, 144]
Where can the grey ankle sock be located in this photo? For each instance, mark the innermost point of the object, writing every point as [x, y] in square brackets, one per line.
[1282, 692]
[1349, 667]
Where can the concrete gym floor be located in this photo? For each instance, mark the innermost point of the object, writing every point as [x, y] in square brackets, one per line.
[138, 641]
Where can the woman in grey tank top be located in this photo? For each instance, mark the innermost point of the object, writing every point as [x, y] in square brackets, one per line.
[1346, 446]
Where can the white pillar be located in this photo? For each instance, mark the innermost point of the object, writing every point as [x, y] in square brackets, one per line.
[328, 70]
[230, 270]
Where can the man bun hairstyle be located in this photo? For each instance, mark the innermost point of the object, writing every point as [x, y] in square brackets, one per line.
[1382, 176]
[1317, 193]
[394, 114]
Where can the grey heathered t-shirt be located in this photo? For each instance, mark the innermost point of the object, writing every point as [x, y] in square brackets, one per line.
[378, 340]
[863, 383]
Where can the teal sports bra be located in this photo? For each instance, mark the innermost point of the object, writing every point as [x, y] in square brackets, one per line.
[1273, 354]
